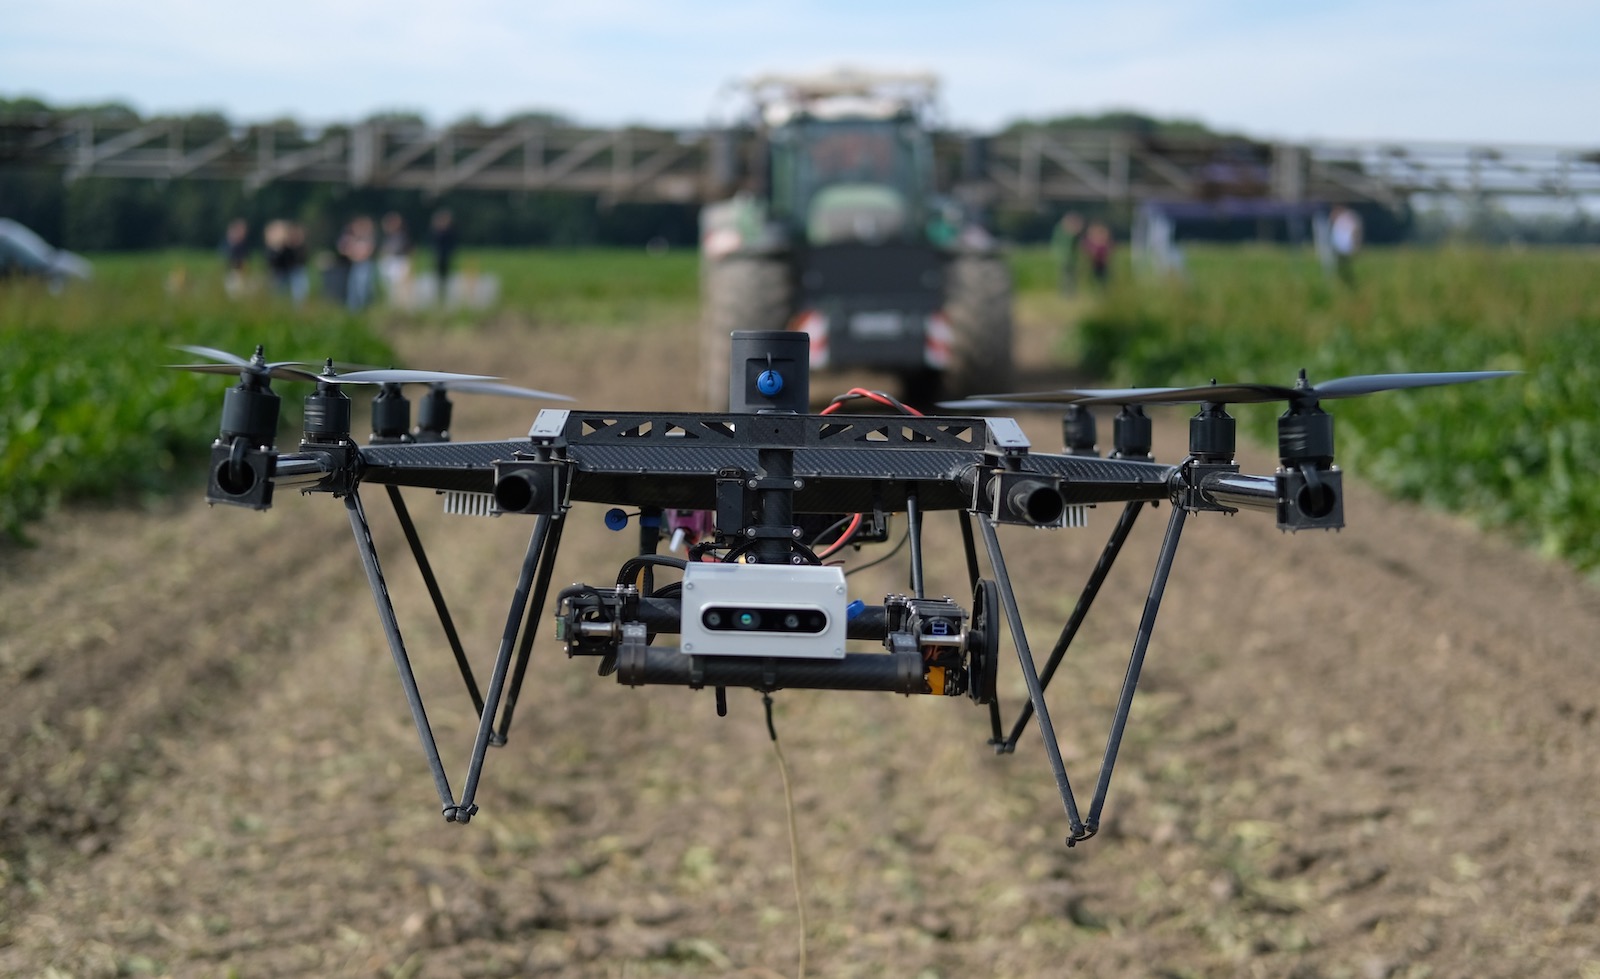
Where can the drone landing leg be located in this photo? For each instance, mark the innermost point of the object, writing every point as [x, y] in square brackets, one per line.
[519, 603]
[541, 588]
[397, 646]
[432, 583]
[970, 548]
[914, 531]
[1141, 642]
[1091, 588]
[1030, 676]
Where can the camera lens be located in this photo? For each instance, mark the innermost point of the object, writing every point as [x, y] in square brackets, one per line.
[791, 621]
[713, 619]
[749, 620]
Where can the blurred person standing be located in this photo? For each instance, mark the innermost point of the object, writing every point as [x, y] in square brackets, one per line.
[1344, 237]
[358, 246]
[235, 249]
[297, 259]
[286, 258]
[394, 259]
[1065, 243]
[444, 246]
[1097, 242]
[275, 238]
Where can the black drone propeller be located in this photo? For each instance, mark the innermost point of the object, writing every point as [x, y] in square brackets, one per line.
[391, 411]
[334, 372]
[1305, 432]
[502, 390]
[251, 410]
[256, 366]
[1303, 393]
[397, 375]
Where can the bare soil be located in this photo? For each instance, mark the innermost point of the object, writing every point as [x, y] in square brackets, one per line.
[1363, 754]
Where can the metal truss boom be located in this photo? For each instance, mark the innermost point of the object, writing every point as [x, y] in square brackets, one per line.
[1027, 167]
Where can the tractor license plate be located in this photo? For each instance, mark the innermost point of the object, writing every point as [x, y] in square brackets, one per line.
[876, 326]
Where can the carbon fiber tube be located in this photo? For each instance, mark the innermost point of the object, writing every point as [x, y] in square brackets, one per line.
[1017, 498]
[892, 672]
[301, 468]
[1241, 491]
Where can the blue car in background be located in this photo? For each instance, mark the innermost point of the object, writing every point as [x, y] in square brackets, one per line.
[24, 254]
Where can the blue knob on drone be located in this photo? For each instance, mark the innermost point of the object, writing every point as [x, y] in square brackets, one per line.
[616, 518]
[854, 609]
[769, 383]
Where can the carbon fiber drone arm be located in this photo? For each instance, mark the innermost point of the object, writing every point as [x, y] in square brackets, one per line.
[842, 463]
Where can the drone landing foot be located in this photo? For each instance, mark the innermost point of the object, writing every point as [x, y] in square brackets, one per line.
[1091, 589]
[541, 589]
[1141, 642]
[519, 604]
[397, 647]
[1030, 676]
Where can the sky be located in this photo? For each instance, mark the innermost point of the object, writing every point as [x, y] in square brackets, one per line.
[1455, 70]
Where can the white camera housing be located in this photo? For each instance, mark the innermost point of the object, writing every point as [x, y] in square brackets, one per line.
[786, 612]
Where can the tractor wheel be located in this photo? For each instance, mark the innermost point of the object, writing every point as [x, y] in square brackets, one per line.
[978, 304]
[737, 293]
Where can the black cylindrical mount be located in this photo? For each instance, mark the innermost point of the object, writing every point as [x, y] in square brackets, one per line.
[1078, 433]
[892, 672]
[771, 371]
[433, 416]
[1305, 436]
[1133, 434]
[1035, 502]
[250, 410]
[1213, 434]
[517, 492]
[391, 414]
[327, 414]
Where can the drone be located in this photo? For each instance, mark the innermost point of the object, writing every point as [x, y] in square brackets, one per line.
[758, 498]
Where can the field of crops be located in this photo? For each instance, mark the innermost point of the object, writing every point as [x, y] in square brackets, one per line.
[210, 769]
[1512, 453]
[84, 398]
[89, 413]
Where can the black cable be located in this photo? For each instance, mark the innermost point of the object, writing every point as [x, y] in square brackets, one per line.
[744, 547]
[876, 561]
[631, 567]
[839, 524]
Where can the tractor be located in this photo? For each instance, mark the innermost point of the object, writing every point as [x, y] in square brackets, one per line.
[838, 229]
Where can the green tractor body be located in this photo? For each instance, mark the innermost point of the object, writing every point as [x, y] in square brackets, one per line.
[843, 235]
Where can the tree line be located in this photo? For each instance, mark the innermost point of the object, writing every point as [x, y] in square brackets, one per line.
[99, 214]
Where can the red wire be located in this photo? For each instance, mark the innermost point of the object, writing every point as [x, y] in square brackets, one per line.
[877, 396]
[834, 405]
[844, 538]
